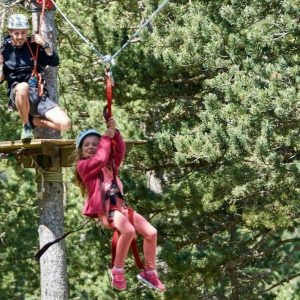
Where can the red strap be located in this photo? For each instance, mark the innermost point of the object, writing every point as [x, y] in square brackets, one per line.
[134, 247]
[109, 93]
[35, 56]
[114, 242]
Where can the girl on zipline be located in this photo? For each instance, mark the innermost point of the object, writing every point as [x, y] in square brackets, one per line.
[98, 160]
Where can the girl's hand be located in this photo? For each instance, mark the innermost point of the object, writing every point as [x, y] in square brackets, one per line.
[111, 128]
[104, 220]
[110, 132]
[111, 123]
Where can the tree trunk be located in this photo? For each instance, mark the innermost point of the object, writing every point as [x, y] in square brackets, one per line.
[233, 270]
[53, 265]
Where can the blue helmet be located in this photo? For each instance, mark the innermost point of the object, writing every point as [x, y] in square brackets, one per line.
[82, 135]
[18, 21]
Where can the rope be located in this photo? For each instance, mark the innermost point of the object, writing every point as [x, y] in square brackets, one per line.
[49, 176]
[40, 172]
[43, 176]
[160, 7]
[48, 245]
[102, 57]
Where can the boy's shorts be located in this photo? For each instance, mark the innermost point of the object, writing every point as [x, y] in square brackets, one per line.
[39, 105]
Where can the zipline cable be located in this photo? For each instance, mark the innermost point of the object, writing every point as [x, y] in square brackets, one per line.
[102, 57]
[161, 6]
[107, 58]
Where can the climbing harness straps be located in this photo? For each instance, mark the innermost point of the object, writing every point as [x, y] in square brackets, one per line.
[36, 78]
[109, 83]
[115, 237]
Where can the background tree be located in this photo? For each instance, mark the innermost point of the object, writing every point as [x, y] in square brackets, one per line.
[214, 88]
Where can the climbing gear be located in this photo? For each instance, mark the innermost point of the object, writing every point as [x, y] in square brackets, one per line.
[111, 196]
[151, 279]
[84, 134]
[18, 21]
[109, 84]
[27, 134]
[48, 4]
[33, 81]
[36, 79]
[118, 280]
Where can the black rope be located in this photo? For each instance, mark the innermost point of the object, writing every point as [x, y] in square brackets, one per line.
[39, 254]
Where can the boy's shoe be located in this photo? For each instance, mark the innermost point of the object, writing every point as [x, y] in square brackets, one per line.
[118, 280]
[27, 134]
[151, 279]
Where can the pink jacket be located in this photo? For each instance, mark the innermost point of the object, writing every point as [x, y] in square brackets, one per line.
[91, 169]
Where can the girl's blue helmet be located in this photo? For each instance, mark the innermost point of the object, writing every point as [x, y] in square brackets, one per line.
[83, 134]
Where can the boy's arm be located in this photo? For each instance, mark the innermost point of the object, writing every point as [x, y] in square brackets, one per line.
[2, 77]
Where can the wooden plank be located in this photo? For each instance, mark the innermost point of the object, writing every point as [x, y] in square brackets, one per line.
[51, 153]
[11, 146]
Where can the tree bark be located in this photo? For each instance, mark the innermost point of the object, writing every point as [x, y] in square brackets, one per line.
[53, 267]
[233, 270]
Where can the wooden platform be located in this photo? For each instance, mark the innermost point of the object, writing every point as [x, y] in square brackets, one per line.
[47, 153]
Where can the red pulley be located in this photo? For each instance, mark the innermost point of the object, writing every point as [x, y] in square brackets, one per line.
[108, 89]
[48, 3]
[109, 95]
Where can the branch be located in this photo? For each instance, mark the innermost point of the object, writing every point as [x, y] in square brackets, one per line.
[11, 4]
[287, 279]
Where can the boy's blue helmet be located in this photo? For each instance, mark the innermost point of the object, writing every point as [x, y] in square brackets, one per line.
[83, 134]
[18, 21]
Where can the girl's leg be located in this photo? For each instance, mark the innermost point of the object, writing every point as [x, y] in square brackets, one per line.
[149, 276]
[127, 234]
[149, 233]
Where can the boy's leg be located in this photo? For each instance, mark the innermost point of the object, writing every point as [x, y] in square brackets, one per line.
[21, 101]
[52, 116]
[20, 98]
[58, 117]
[41, 122]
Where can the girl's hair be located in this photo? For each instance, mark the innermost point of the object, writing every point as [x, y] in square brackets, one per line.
[77, 156]
[78, 180]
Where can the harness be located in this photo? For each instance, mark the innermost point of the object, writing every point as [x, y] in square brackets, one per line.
[114, 190]
[36, 79]
[111, 196]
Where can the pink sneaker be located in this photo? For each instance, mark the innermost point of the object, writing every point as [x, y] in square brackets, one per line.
[151, 279]
[118, 280]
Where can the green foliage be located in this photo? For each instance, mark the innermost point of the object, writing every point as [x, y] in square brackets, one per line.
[214, 88]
